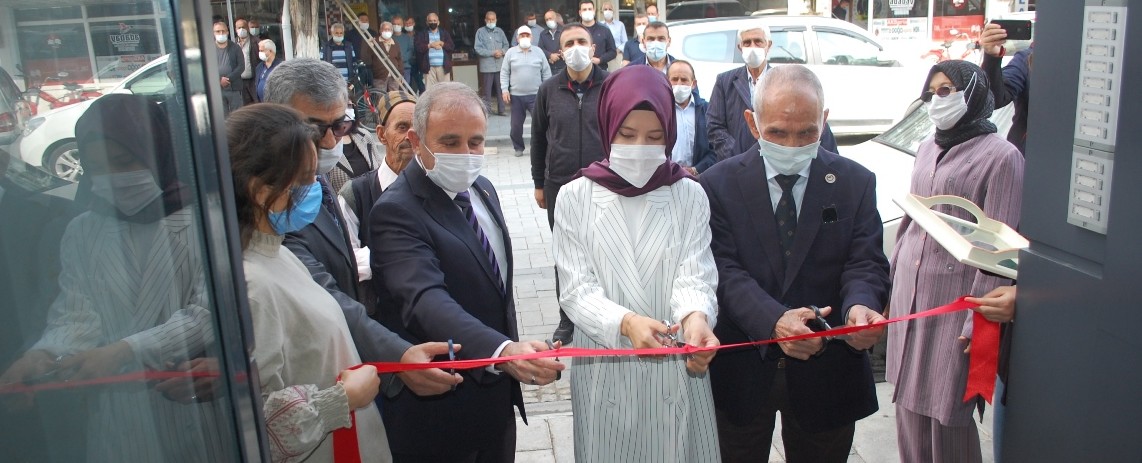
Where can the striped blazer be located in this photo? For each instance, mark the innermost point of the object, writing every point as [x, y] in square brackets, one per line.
[649, 255]
[927, 365]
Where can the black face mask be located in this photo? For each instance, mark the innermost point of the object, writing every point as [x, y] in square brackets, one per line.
[433, 26]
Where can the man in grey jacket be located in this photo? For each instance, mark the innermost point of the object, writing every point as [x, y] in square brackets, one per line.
[565, 130]
[231, 65]
[491, 45]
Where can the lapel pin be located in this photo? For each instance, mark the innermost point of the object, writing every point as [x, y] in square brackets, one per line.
[830, 178]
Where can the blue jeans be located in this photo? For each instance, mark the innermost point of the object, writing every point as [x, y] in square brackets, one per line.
[520, 104]
[998, 411]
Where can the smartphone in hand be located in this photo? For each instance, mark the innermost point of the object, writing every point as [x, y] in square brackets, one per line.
[1017, 29]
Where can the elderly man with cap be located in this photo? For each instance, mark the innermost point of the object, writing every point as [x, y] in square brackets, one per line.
[523, 70]
[356, 198]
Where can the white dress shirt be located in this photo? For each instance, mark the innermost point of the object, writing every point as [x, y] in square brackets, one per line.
[386, 177]
[775, 188]
[684, 118]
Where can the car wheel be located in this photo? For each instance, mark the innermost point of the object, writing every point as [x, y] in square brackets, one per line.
[63, 162]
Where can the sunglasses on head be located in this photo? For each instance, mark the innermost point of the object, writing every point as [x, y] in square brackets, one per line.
[339, 128]
[940, 92]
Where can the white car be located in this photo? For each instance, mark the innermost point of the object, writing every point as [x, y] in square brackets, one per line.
[48, 140]
[892, 154]
[865, 85]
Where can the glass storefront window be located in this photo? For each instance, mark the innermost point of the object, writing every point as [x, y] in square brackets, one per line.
[113, 336]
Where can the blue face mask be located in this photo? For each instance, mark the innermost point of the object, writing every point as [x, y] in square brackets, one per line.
[302, 213]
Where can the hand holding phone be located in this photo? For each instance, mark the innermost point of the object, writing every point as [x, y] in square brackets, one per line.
[1017, 29]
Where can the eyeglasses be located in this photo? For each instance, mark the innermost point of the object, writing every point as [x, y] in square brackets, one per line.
[340, 128]
[940, 92]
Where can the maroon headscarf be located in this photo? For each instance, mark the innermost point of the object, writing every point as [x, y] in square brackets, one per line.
[623, 91]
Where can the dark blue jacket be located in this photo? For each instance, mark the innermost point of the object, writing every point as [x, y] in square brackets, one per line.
[632, 53]
[1016, 79]
[837, 260]
[437, 283]
[728, 130]
[704, 155]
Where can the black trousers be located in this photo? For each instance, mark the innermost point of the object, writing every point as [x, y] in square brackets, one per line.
[502, 451]
[751, 442]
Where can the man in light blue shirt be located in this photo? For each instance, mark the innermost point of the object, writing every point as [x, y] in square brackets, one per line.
[491, 44]
[618, 29]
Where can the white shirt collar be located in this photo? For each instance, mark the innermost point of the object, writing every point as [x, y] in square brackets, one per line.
[386, 176]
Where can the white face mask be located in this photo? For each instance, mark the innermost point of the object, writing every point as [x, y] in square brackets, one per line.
[364, 26]
[787, 160]
[242, 33]
[130, 192]
[221, 38]
[946, 111]
[453, 172]
[255, 30]
[409, 28]
[587, 16]
[655, 50]
[525, 42]
[387, 35]
[262, 56]
[338, 39]
[608, 15]
[551, 25]
[578, 57]
[651, 18]
[639, 29]
[754, 56]
[531, 23]
[682, 93]
[637, 163]
[491, 25]
[327, 158]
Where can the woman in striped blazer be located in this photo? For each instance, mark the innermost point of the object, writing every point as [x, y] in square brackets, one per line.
[632, 247]
[926, 362]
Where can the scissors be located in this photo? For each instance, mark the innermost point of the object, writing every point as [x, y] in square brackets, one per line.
[823, 325]
[669, 339]
[451, 358]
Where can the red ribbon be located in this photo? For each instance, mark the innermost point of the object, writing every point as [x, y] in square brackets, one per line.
[981, 369]
[984, 361]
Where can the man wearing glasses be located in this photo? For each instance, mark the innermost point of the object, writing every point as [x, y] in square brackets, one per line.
[315, 88]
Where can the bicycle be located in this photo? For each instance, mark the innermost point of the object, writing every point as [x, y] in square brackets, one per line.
[944, 53]
[73, 93]
[364, 98]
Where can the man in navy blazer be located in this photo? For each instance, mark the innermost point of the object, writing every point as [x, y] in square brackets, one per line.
[442, 263]
[733, 95]
[690, 119]
[315, 88]
[793, 227]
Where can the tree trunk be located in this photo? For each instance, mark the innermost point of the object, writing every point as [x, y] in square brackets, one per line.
[303, 21]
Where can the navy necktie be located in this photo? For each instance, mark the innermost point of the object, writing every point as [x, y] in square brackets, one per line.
[786, 214]
[464, 201]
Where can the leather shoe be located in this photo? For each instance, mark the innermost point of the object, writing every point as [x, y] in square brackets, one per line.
[565, 332]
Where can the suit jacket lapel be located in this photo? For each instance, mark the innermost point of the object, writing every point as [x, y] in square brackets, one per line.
[741, 82]
[818, 196]
[445, 212]
[485, 189]
[611, 223]
[757, 204]
[654, 234]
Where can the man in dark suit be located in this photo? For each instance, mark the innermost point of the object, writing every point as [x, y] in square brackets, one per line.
[434, 47]
[442, 262]
[793, 228]
[733, 95]
[692, 148]
[315, 88]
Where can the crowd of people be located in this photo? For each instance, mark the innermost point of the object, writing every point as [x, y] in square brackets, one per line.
[675, 220]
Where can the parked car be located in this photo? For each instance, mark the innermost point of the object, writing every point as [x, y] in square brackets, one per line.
[48, 140]
[891, 156]
[14, 111]
[865, 85]
[697, 9]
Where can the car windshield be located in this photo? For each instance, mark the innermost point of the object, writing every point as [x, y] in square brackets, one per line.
[907, 134]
